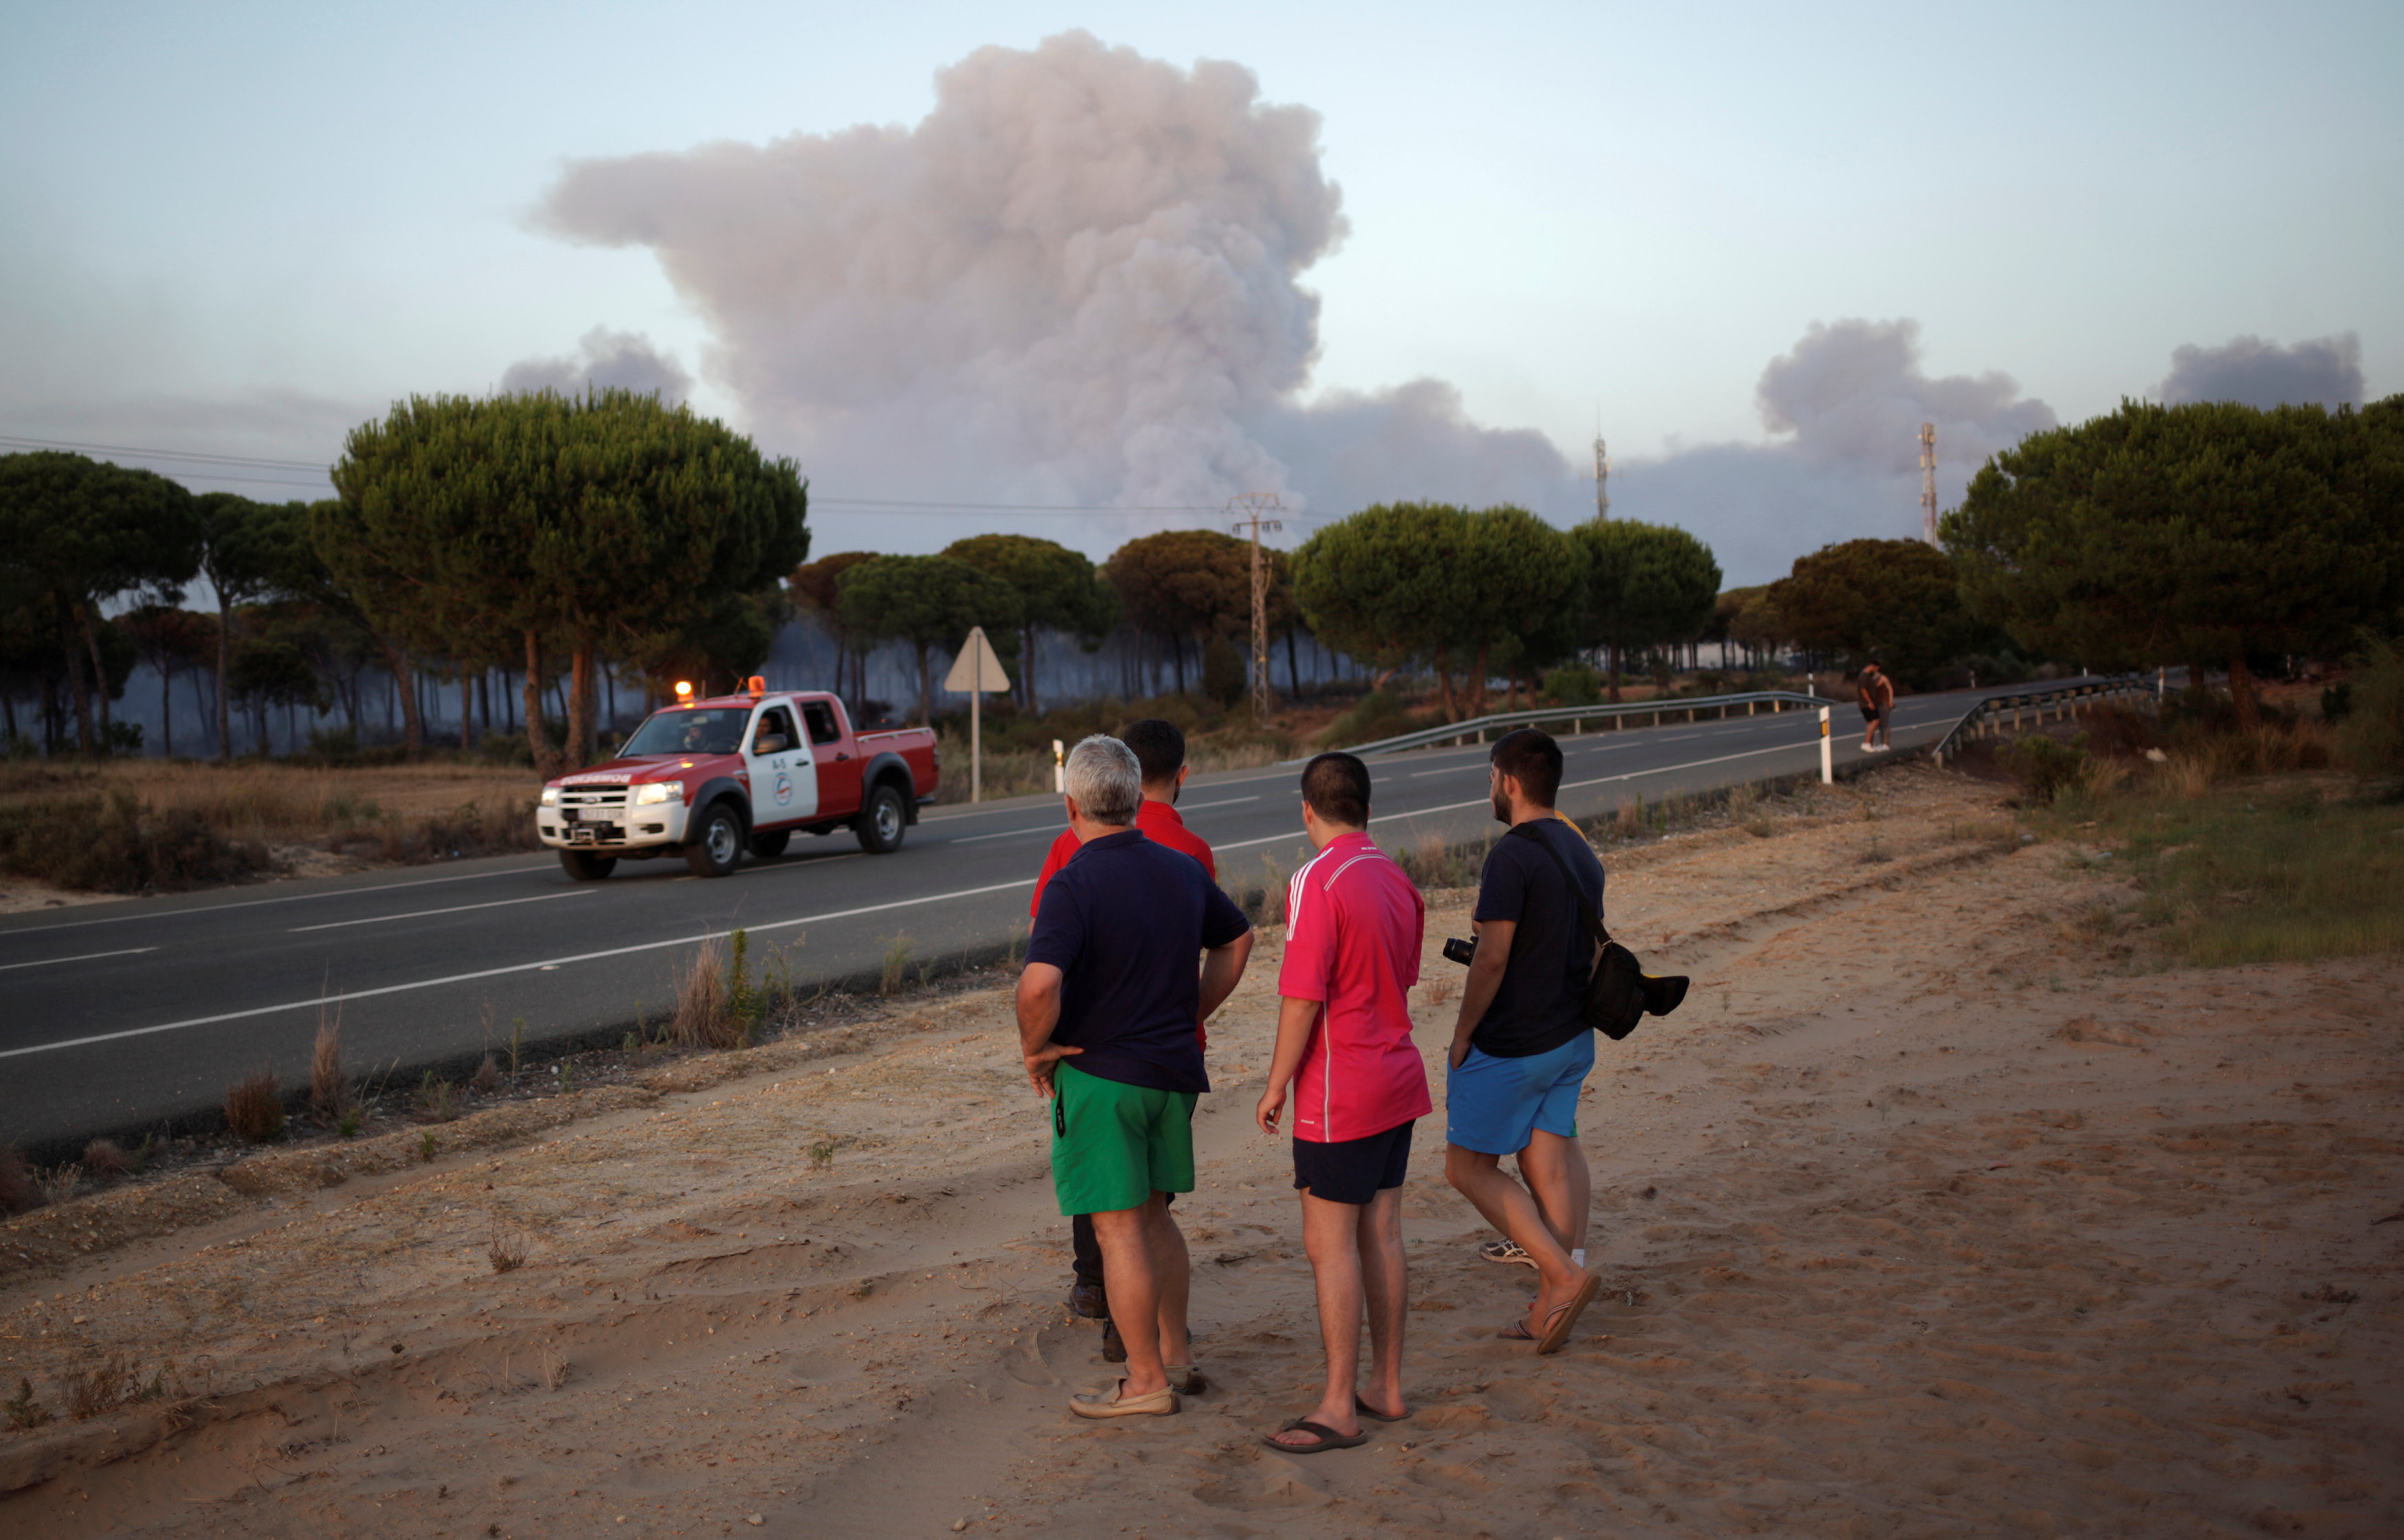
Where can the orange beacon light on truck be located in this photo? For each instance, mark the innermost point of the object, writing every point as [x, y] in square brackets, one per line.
[684, 690]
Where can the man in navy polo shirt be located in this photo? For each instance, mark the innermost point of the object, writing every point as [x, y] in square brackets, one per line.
[1108, 1008]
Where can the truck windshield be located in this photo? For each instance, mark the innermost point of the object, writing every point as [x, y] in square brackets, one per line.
[706, 730]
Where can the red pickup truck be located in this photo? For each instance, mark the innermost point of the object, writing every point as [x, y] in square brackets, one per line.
[707, 779]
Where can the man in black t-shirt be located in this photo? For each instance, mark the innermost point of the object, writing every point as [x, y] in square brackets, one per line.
[1521, 1049]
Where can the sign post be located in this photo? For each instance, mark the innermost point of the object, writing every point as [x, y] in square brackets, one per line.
[1827, 751]
[975, 671]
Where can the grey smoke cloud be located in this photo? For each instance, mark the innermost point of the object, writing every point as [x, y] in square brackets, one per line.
[1077, 280]
[1847, 403]
[2324, 371]
[605, 358]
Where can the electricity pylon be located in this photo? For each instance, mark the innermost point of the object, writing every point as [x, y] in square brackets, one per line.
[1248, 507]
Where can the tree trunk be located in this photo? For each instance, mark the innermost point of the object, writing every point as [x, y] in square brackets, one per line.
[1027, 671]
[579, 705]
[1293, 663]
[84, 737]
[1615, 673]
[1444, 687]
[1477, 686]
[166, 711]
[2241, 693]
[926, 690]
[467, 711]
[2195, 676]
[413, 731]
[1178, 643]
[99, 669]
[538, 741]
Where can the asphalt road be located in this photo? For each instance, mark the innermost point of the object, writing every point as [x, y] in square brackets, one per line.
[124, 1015]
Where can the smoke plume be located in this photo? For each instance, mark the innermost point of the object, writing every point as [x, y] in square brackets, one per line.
[2324, 371]
[1077, 280]
[1845, 407]
[605, 358]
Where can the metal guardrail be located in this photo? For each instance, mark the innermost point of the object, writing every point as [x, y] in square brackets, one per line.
[1475, 729]
[1984, 719]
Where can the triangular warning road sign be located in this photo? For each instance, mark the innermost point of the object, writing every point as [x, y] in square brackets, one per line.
[976, 668]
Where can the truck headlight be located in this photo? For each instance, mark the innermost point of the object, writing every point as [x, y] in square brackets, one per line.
[550, 796]
[660, 790]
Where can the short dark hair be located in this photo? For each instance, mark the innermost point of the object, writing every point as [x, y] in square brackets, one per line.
[1337, 787]
[1529, 756]
[1158, 746]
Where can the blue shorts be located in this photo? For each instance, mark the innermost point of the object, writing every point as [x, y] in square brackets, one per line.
[1492, 1105]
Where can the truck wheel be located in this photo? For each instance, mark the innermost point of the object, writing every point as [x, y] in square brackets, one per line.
[587, 868]
[882, 822]
[715, 851]
[769, 847]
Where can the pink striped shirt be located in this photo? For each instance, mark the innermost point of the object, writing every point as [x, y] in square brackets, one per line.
[1353, 927]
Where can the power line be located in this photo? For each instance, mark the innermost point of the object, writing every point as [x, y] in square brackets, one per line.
[866, 507]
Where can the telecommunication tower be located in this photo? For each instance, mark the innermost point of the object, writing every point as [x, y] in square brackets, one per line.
[1928, 482]
[1602, 478]
[1248, 507]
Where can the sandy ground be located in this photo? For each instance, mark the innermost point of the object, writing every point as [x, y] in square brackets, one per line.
[1922, 1218]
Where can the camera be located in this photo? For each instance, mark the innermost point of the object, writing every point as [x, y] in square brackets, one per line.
[1462, 952]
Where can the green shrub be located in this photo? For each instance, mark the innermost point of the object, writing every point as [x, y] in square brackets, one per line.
[1379, 716]
[1574, 685]
[2371, 737]
[2045, 767]
[1225, 676]
[114, 843]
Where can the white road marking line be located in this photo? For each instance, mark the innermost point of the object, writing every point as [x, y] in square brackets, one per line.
[1228, 802]
[261, 903]
[455, 909]
[88, 957]
[1566, 786]
[1007, 834]
[314, 1003]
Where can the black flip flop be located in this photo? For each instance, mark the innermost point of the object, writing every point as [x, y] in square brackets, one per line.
[1373, 1414]
[1328, 1439]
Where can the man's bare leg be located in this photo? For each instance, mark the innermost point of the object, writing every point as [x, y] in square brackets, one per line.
[1173, 1272]
[1385, 1285]
[1131, 1276]
[1509, 1208]
[1555, 1171]
[1331, 1235]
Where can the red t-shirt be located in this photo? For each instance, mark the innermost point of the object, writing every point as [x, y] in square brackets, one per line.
[1354, 924]
[1162, 826]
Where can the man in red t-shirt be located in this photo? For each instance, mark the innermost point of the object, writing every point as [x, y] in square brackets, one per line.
[1354, 924]
[1160, 750]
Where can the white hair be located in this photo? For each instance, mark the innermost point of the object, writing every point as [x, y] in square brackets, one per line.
[1106, 779]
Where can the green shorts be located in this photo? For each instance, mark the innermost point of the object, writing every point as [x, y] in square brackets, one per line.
[1114, 1145]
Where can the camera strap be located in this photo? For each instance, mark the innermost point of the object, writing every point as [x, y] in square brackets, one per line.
[1577, 890]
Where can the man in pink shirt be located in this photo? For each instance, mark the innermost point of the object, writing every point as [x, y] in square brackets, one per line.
[1354, 924]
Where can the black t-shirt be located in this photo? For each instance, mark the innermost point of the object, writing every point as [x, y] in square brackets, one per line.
[1537, 1008]
[1126, 922]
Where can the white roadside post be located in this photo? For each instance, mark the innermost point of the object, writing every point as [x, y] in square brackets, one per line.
[1827, 751]
[1059, 768]
[975, 671]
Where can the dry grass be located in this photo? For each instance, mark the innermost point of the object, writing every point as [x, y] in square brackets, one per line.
[488, 1077]
[1629, 821]
[507, 1250]
[705, 1016]
[553, 1363]
[329, 1086]
[437, 1101]
[1441, 989]
[254, 1107]
[18, 1191]
[60, 1182]
[105, 1157]
[100, 1387]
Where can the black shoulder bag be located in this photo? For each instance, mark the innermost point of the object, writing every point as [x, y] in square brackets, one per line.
[1617, 992]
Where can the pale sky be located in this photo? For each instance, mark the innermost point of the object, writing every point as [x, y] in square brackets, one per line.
[240, 228]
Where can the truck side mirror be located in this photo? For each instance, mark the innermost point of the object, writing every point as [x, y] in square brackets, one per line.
[769, 743]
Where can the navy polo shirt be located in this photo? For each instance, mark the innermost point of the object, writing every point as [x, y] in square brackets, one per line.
[1124, 923]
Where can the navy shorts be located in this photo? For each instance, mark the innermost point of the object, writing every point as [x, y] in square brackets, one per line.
[1353, 1170]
